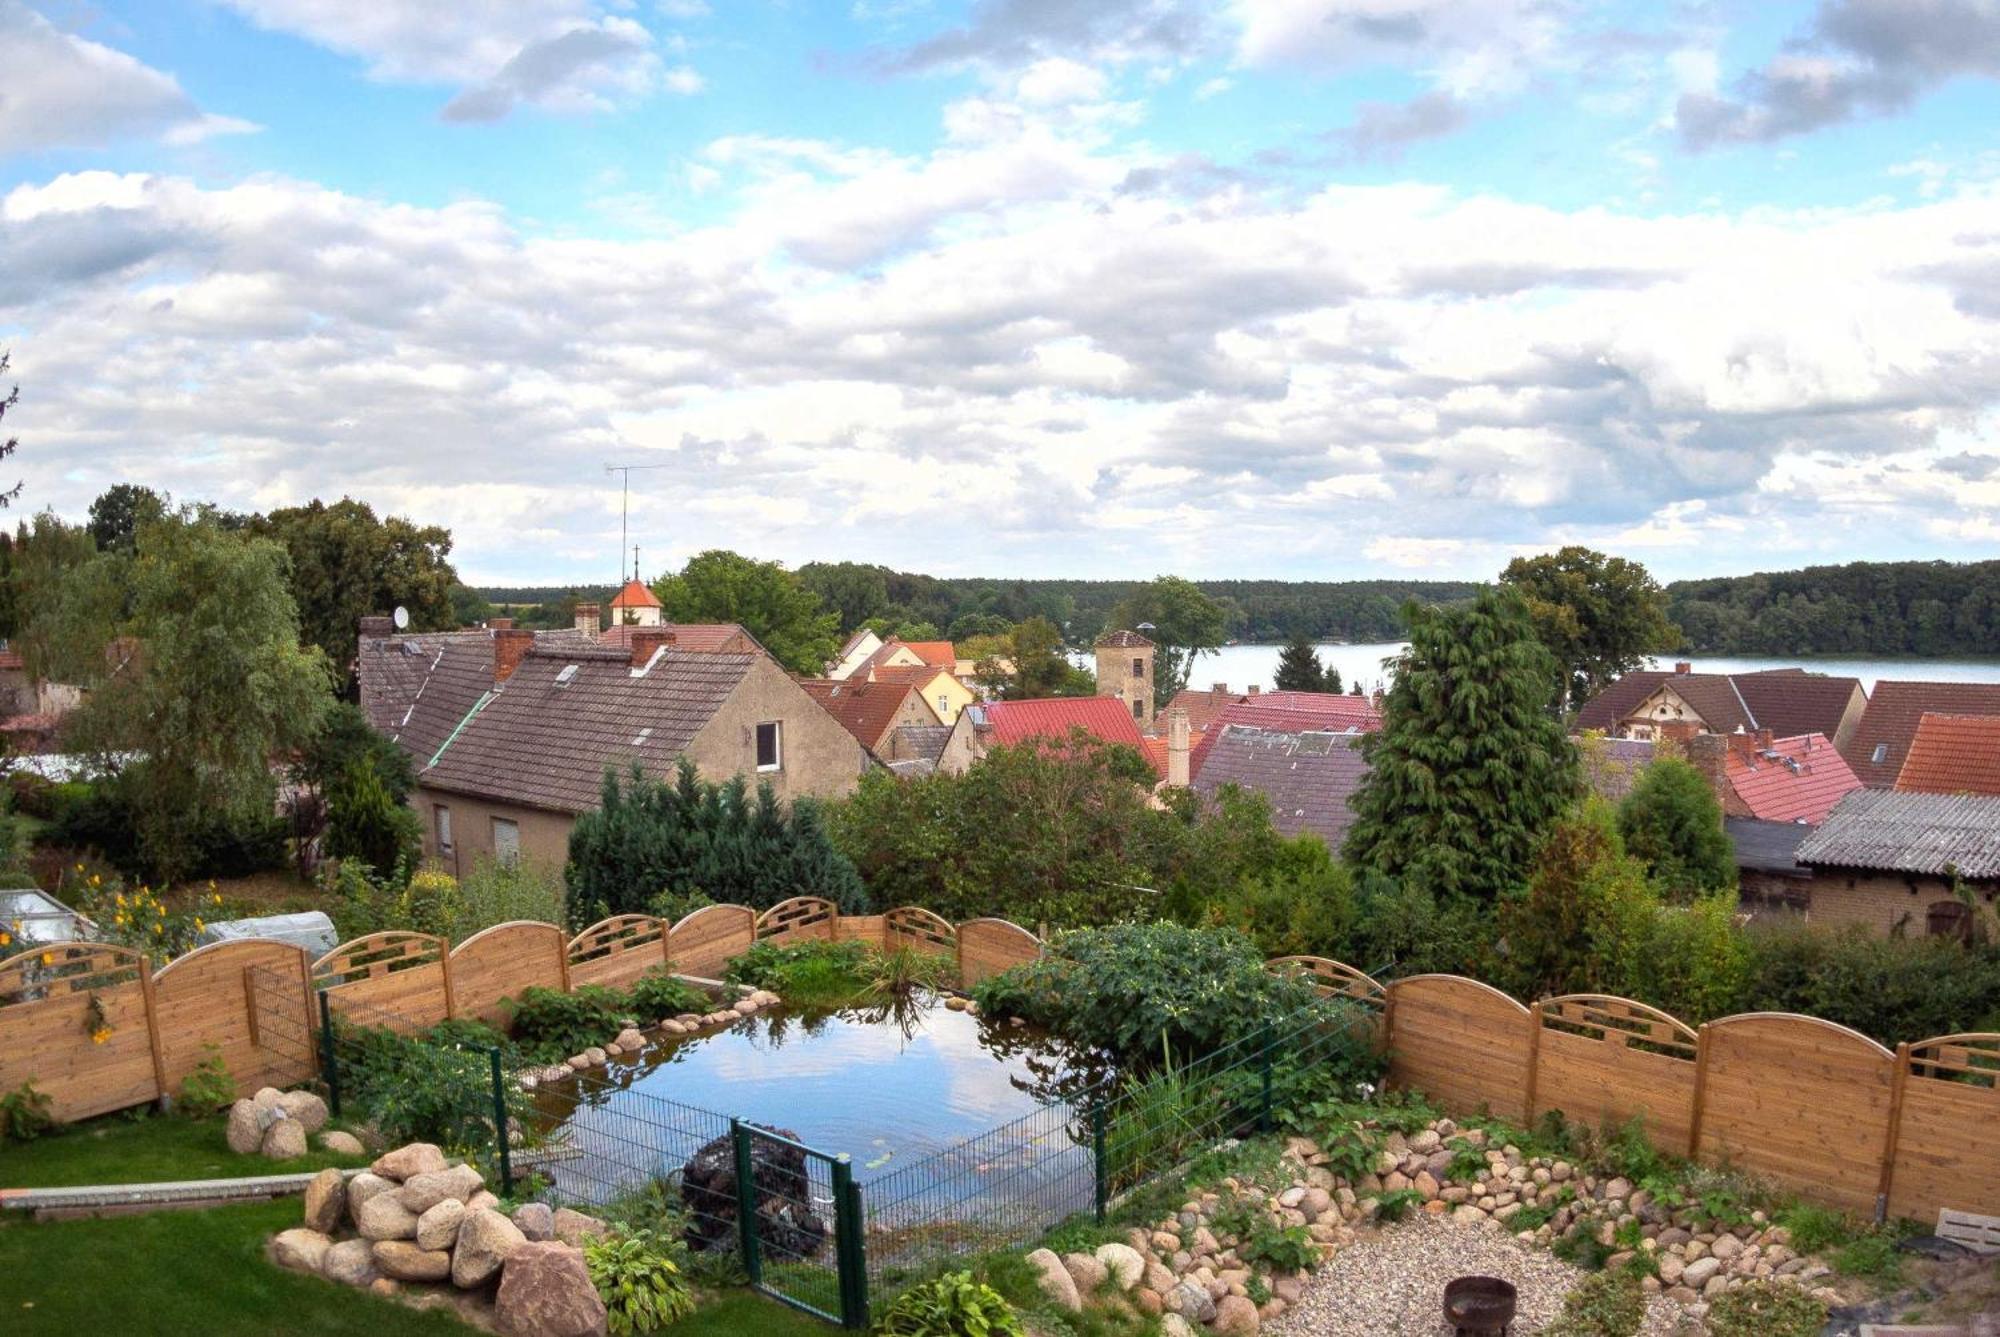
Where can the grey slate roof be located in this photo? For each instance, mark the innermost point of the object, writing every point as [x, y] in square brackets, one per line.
[1903, 832]
[416, 688]
[1768, 847]
[1308, 776]
[544, 739]
[923, 742]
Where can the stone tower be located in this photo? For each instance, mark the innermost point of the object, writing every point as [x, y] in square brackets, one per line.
[1125, 670]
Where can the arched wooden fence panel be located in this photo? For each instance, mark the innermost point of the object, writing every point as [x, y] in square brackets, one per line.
[705, 941]
[989, 946]
[75, 1020]
[1333, 978]
[1462, 1042]
[801, 917]
[913, 927]
[618, 950]
[500, 962]
[401, 981]
[1798, 1099]
[1948, 1098]
[252, 999]
[1604, 1060]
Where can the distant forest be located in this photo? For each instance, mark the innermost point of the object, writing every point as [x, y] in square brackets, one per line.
[1254, 610]
[1871, 608]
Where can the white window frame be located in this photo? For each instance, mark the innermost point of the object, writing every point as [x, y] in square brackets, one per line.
[441, 826]
[777, 728]
[501, 855]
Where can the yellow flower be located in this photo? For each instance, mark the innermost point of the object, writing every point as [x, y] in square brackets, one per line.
[96, 881]
[48, 958]
[5, 938]
[197, 924]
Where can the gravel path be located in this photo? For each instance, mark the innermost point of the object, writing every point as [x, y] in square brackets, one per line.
[1391, 1283]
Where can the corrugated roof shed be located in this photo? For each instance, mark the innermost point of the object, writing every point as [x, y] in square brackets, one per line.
[1880, 744]
[1954, 754]
[1900, 832]
[1768, 847]
[1309, 777]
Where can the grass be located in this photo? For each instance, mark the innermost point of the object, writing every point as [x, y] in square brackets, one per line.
[121, 1149]
[204, 1272]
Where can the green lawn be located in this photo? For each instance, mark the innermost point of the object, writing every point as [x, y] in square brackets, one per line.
[123, 1150]
[204, 1273]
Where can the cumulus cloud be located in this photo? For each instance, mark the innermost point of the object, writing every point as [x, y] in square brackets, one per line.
[64, 91]
[561, 55]
[1859, 58]
[1467, 47]
[1007, 331]
[1013, 33]
[1382, 130]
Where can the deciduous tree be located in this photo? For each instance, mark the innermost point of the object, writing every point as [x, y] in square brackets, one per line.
[1184, 625]
[1672, 821]
[1600, 616]
[770, 602]
[347, 564]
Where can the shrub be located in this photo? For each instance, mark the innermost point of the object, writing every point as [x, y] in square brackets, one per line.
[1814, 1228]
[25, 1114]
[365, 820]
[498, 893]
[549, 1025]
[1672, 822]
[209, 1088]
[1577, 927]
[953, 1305]
[1765, 1309]
[430, 903]
[416, 1089]
[1889, 988]
[1605, 1304]
[1692, 961]
[808, 974]
[641, 1286]
[658, 994]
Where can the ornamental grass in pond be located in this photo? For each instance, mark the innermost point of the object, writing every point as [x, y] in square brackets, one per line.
[826, 975]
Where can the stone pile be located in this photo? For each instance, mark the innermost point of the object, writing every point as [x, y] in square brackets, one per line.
[632, 1040]
[428, 1232]
[278, 1123]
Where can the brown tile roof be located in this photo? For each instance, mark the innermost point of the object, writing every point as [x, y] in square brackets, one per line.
[1953, 754]
[416, 688]
[925, 741]
[914, 675]
[1123, 640]
[1786, 701]
[1902, 832]
[1309, 777]
[635, 595]
[1895, 708]
[1787, 779]
[700, 637]
[867, 710]
[1790, 702]
[545, 738]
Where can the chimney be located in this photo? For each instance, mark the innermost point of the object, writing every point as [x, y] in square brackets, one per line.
[646, 642]
[1177, 748]
[376, 627]
[1705, 752]
[1255, 689]
[500, 624]
[1218, 693]
[509, 647]
[586, 620]
[1683, 666]
[1743, 743]
[1765, 738]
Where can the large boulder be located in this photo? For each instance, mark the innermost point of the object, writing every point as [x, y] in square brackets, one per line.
[342, 1143]
[422, 1192]
[306, 1107]
[1086, 1271]
[1235, 1316]
[787, 1227]
[404, 1261]
[360, 1189]
[486, 1240]
[326, 1201]
[1124, 1264]
[284, 1140]
[573, 1228]
[437, 1225]
[545, 1291]
[383, 1218]
[350, 1262]
[405, 1163]
[535, 1221]
[1055, 1280]
[300, 1250]
[245, 1133]
[1192, 1302]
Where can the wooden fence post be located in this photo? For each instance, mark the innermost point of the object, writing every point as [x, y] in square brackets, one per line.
[1892, 1142]
[1700, 1091]
[1389, 1030]
[311, 1001]
[444, 959]
[152, 1026]
[562, 958]
[1534, 1061]
[666, 948]
[250, 1004]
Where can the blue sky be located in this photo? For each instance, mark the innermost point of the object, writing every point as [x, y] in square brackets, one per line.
[1312, 288]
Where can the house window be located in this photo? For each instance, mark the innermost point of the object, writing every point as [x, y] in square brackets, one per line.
[441, 825]
[944, 703]
[1138, 708]
[506, 841]
[1138, 668]
[770, 746]
[1881, 754]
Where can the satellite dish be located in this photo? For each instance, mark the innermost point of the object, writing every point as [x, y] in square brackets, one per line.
[402, 616]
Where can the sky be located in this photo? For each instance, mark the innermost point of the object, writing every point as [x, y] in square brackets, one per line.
[1313, 289]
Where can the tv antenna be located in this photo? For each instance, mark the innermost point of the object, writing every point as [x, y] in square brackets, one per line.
[624, 512]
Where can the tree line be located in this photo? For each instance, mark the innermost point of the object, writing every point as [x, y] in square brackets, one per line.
[1871, 608]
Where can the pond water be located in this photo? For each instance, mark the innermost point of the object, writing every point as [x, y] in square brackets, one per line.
[889, 1087]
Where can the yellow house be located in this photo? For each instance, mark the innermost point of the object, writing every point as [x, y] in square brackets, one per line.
[940, 688]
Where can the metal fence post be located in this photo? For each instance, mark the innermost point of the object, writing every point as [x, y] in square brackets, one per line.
[500, 1124]
[1268, 1043]
[1099, 1185]
[330, 1058]
[847, 1247]
[746, 1202]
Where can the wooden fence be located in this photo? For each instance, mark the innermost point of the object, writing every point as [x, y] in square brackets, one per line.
[96, 1029]
[1813, 1107]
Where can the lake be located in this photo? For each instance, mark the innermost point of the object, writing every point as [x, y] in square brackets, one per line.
[1243, 666]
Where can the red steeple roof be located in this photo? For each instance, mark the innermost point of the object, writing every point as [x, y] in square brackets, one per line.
[635, 595]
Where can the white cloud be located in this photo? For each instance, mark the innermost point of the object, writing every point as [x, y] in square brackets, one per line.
[1468, 47]
[65, 91]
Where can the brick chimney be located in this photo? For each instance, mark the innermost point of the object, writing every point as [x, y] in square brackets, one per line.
[376, 627]
[586, 620]
[509, 648]
[1255, 689]
[1705, 752]
[1683, 666]
[500, 624]
[645, 642]
[1218, 693]
[1177, 748]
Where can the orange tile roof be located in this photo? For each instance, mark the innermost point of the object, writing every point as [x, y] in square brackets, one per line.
[635, 595]
[938, 654]
[867, 710]
[1795, 779]
[1155, 748]
[1895, 709]
[1052, 717]
[914, 674]
[1953, 754]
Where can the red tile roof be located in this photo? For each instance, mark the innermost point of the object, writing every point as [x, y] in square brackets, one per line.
[1953, 754]
[1334, 712]
[938, 654]
[1796, 779]
[868, 710]
[1894, 711]
[1202, 705]
[1104, 717]
[1155, 748]
[635, 595]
